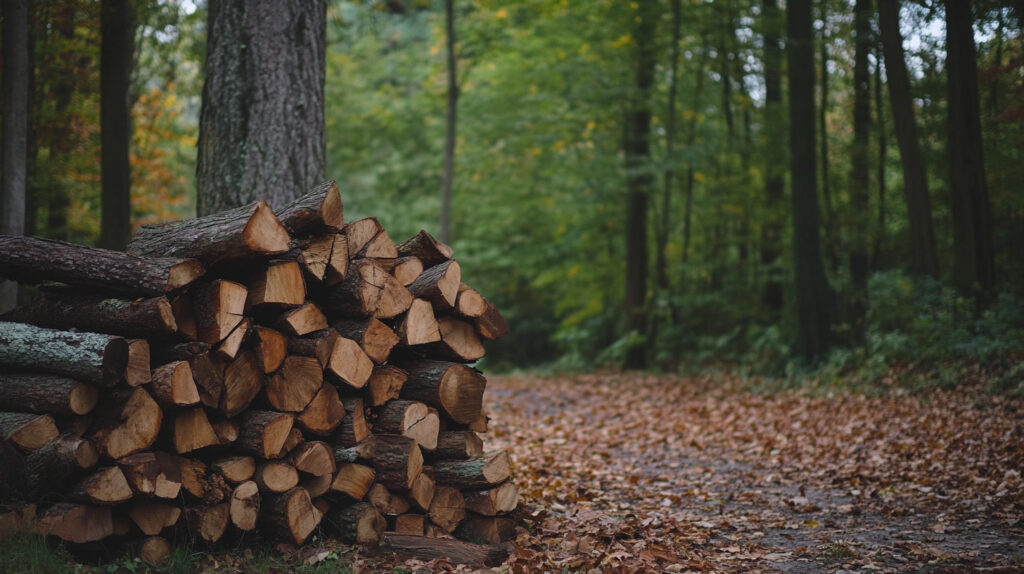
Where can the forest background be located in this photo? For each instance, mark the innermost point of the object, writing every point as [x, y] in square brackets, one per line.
[552, 198]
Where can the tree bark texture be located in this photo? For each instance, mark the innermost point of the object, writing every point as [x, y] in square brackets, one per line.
[88, 357]
[117, 28]
[771, 237]
[860, 175]
[261, 132]
[15, 130]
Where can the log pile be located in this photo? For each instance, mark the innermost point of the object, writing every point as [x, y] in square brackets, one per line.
[251, 371]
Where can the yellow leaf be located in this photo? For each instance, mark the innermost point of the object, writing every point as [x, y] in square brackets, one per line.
[622, 41]
[699, 176]
[502, 14]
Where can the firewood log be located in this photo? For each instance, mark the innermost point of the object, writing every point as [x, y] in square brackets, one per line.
[208, 377]
[173, 385]
[245, 506]
[137, 371]
[225, 429]
[353, 480]
[48, 468]
[337, 266]
[422, 492]
[319, 344]
[407, 269]
[208, 522]
[66, 309]
[155, 550]
[490, 324]
[46, 394]
[191, 430]
[493, 501]
[263, 433]
[361, 232]
[33, 260]
[409, 418]
[489, 529]
[447, 508]
[385, 384]
[318, 485]
[439, 285]
[386, 502]
[291, 515]
[271, 348]
[200, 483]
[423, 246]
[324, 413]
[302, 320]
[359, 523]
[397, 460]
[410, 546]
[103, 486]
[375, 338]
[152, 516]
[235, 469]
[156, 474]
[410, 524]
[243, 380]
[217, 307]
[77, 523]
[349, 364]
[319, 210]
[229, 347]
[418, 326]
[295, 384]
[469, 304]
[279, 283]
[88, 357]
[313, 254]
[479, 424]
[380, 248]
[184, 317]
[488, 470]
[457, 445]
[459, 341]
[246, 231]
[276, 476]
[353, 428]
[27, 431]
[395, 298]
[454, 389]
[293, 440]
[314, 458]
[359, 294]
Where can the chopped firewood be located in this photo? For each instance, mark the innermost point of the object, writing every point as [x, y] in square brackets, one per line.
[78, 523]
[173, 385]
[208, 377]
[319, 344]
[375, 338]
[314, 458]
[490, 469]
[454, 389]
[152, 516]
[132, 428]
[245, 505]
[217, 307]
[302, 320]
[395, 299]
[490, 324]
[469, 303]
[270, 347]
[385, 384]
[242, 232]
[459, 341]
[411, 524]
[423, 246]
[447, 508]
[225, 429]
[349, 363]
[137, 372]
[318, 485]
[295, 384]
[291, 515]
[418, 326]
[397, 460]
[209, 522]
[104, 486]
[88, 357]
[337, 266]
[422, 492]
[155, 550]
[359, 523]
[493, 501]
[48, 468]
[184, 318]
[361, 232]
[243, 380]
[235, 469]
[191, 430]
[407, 269]
[263, 433]
[358, 295]
[229, 347]
[491, 529]
[313, 255]
[279, 284]
[379, 248]
[386, 502]
[439, 285]
[324, 413]
[66, 309]
[193, 478]
[276, 476]
[479, 424]
[34, 260]
[457, 445]
[353, 480]
[425, 548]
[155, 474]
[319, 210]
[294, 439]
[46, 394]
[353, 428]
[409, 418]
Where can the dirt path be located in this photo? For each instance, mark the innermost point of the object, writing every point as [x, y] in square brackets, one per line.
[666, 474]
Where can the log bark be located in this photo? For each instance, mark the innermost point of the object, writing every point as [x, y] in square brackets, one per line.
[264, 433]
[48, 468]
[493, 501]
[375, 338]
[217, 307]
[302, 320]
[410, 546]
[411, 524]
[386, 502]
[353, 428]
[353, 480]
[276, 476]
[423, 246]
[407, 269]
[191, 430]
[65, 309]
[324, 413]
[447, 508]
[152, 516]
[173, 385]
[349, 364]
[459, 341]
[397, 460]
[491, 325]
[314, 458]
[439, 285]
[385, 384]
[152, 474]
[27, 431]
[35, 260]
[358, 523]
[235, 469]
[244, 507]
[455, 390]
[457, 445]
[137, 372]
[208, 522]
[104, 486]
[46, 394]
[243, 380]
[485, 471]
[271, 348]
[247, 231]
[279, 284]
[293, 386]
[411, 419]
[291, 515]
[88, 357]
[418, 326]
[78, 523]
[488, 529]
[319, 210]
[359, 294]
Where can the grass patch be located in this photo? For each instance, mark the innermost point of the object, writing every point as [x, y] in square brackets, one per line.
[30, 553]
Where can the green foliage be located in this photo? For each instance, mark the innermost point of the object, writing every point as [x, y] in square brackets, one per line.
[30, 553]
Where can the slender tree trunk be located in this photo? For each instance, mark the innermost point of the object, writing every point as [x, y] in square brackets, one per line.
[449, 128]
[61, 137]
[814, 298]
[661, 271]
[724, 69]
[15, 130]
[691, 138]
[774, 157]
[883, 149]
[826, 179]
[261, 131]
[974, 267]
[924, 261]
[117, 24]
[860, 176]
[639, 182]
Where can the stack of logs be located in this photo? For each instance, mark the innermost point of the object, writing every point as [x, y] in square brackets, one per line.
[251, 371]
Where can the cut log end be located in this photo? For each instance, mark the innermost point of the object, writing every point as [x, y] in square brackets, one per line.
[264, 234]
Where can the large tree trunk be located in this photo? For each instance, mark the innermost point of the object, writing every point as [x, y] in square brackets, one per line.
[973, 266]
[15, 130]
[262, 126]
[637, 148]
[814, 298]
[860, 176]
[449, 126]
[117, 24]
[771, 236]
